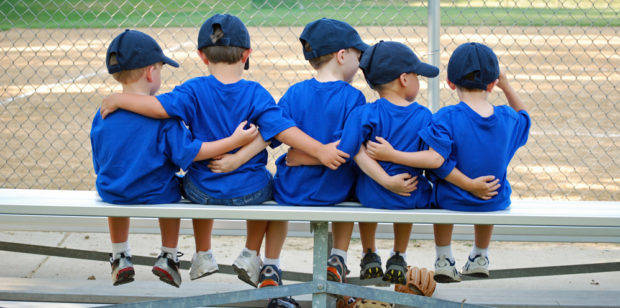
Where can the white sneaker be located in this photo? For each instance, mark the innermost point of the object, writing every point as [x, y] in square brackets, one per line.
[477, 267]
[203, 264]
[247, 266]
[445, 271]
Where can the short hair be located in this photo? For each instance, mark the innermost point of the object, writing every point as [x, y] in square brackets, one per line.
[226, 54]
[470, 76]
[128, 76]
[318, 62]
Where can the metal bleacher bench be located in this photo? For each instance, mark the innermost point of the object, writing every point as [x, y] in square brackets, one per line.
[591, 216]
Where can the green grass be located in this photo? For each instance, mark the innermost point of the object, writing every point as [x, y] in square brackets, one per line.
[191, 13]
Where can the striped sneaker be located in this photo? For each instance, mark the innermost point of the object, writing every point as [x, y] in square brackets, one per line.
[445, 272]
[371, 266]
[122, 269]
[270, 276]
[395, 269]
[477, 267]
[167, 269]
[336, 269]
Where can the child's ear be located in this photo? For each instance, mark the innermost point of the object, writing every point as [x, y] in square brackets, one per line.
[340, 56]
[202, 57]
[403, 79]
[246, 55]
[450, 84]
[149, 73]
[491, 85]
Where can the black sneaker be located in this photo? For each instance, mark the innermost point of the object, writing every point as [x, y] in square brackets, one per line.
[167, 269]
[283, 302]
[371, 266]
[395, 269]
[336, 269]
[270, 276]
[122, 269]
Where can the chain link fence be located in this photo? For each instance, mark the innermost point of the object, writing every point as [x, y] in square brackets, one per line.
[561, 56]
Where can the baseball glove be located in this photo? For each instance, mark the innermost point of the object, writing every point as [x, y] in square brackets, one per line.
[419, 282]
[352, 302]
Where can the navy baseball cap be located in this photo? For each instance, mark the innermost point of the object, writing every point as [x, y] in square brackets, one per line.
[329, 35]
[469, 58]
[134, 49]
[386, 61]
[235, 33]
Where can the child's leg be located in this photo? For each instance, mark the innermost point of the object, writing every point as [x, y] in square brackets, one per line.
[167, 265]
[256, 230]
[402, 233]
[341, 235]
[445, 270]
[274, 240]
[169, 228]
[202, 233]
[370, 267]
[119, 235]
[443, 234]
[478, 261]
[483, 235]
[337, 261]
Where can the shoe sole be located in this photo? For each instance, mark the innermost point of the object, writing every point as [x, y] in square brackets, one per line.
[332, 275]
[124, 276]
[205, 274]
[441, 278]
[268, 283]
[371, 272]
[164, 276]
[243, 276]
[394, 276]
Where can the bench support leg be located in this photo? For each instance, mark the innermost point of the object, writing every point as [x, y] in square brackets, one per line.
[319, 268]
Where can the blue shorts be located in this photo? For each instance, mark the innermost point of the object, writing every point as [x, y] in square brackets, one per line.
[194, 194]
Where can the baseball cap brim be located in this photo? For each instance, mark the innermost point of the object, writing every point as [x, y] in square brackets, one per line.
[361, 46]
[170, 62]
[426, 70]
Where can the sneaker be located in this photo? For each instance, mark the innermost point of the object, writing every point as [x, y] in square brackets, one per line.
[167, 269]
[283, 302]
[122, 269]
[395, 269]
[248, 266]
[477, 267]
[270, 276]
[445, 271]
[203, 264]
[371, 266]
[336, 269]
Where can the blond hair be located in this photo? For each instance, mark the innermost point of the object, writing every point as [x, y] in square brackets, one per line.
[318, 62]
[226, 54]
[129, 76]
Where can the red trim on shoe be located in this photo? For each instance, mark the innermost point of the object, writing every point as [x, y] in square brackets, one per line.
[334, 271]
[268, 283]
[118, 275]
[165, 273]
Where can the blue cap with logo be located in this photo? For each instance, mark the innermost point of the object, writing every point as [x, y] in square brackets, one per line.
[234, 33]
[134, 49]
[329, 35]
[386, 61]
[473, 58]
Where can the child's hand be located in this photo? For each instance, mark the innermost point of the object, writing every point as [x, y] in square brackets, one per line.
[109, 105]
[331, 157]
[379, 151]
[502, 81]
[484, 187]
[292, 158]
[402, 184]
[224, 163]
[245, 136]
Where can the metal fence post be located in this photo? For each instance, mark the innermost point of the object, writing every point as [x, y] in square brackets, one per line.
[433, 49]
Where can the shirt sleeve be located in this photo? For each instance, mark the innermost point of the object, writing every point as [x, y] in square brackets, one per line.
[180, 103]
[357, 129]
[445, 169]
[286, 112]
[522, 128]
[359, 100]
[437, 136]
[269, 117]
[179, 146]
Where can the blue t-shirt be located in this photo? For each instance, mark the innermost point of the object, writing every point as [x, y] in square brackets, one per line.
[477, 146]
[399, 126]
[213, 110]
[136, 157]
[320, 110]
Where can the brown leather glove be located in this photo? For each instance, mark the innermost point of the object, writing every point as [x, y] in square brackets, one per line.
[419, 282]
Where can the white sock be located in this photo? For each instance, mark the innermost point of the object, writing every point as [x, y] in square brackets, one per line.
[444, 251]
[267, 261]
[478, 251]
[118, 248]
[254, 253]
[210, 252]
[404, 255]
[171, 251]
[340, 252]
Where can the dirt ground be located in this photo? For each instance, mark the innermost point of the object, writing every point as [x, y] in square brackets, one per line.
[52, 81]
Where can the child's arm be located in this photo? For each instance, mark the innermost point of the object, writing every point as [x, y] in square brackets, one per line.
[239, 138]
[484, 187]
[384, 151]
[295, 157]
[327, 154]
[229, 162]
[145, 105]
[511, 95]
[402, 184]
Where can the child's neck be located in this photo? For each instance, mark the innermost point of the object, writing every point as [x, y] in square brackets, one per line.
[330, 71]
[395, 98]
[137, 87]
[226, 73]
[477, 101]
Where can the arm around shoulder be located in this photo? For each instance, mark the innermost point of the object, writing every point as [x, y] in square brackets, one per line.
[145, 105]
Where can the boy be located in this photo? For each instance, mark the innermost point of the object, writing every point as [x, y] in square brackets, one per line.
[478, 138]
[210, 106]
[136, 158]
